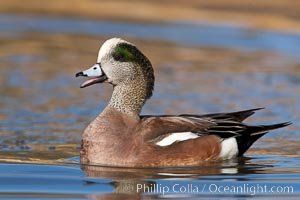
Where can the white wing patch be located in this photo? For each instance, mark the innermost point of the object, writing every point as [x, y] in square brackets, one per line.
[229, 148]
[174, 137]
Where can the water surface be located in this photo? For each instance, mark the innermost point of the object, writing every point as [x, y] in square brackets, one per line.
[183, 33]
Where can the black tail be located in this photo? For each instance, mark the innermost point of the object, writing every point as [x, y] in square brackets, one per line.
[227, 125]
[235, 116]
[253, 133]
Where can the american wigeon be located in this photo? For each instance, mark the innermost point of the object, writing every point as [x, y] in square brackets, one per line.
[119, 136]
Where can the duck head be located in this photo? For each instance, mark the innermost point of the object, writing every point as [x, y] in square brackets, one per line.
[123, 65]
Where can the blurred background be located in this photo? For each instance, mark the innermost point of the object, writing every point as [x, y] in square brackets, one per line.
[208, 56]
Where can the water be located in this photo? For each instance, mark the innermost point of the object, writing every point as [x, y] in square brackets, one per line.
[183, 33]
[199, 68]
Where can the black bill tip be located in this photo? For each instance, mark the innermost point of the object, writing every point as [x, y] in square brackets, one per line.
[80, 74]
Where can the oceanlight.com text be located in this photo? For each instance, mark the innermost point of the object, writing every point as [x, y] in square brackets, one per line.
[251, 189]
[214, 188]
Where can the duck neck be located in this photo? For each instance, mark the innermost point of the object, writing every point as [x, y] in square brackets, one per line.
[129, 97]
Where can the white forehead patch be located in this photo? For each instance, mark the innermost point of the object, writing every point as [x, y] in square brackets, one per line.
[107, 46]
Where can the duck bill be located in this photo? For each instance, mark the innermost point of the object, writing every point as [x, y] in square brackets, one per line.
[95, 73]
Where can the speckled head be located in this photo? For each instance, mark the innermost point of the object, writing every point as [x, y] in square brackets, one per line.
[122, 64]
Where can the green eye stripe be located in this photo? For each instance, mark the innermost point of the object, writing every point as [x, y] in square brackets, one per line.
[124, 53]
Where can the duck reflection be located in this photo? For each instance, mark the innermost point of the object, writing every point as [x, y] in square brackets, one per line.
[135, 183]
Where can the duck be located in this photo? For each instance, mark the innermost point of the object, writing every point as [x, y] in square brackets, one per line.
[120, 136]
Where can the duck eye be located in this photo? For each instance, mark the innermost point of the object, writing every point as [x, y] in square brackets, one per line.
[95, 68]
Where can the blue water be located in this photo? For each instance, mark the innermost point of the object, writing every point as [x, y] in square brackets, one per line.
[191, 34]
[62, 181]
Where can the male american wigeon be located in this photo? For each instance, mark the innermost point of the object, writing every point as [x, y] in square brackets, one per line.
[119, 136]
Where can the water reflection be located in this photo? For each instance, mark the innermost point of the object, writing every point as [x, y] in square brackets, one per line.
[69, 181]
[184, 182]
